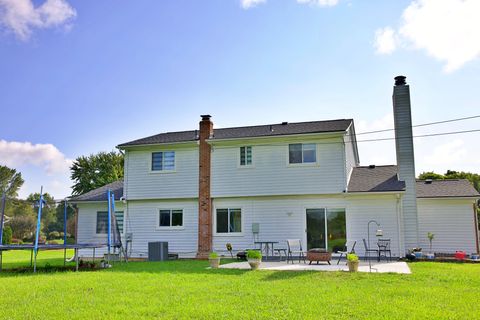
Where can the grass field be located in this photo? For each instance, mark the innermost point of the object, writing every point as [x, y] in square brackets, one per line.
[185, 289]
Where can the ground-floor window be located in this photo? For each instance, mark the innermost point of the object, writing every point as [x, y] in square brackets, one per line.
[229, 220]
[326, 228]
[170, 218]
[102, 221]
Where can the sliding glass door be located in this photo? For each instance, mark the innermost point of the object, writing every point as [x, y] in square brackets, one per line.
[326, 229]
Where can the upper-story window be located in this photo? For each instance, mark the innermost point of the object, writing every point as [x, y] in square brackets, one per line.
[302, 153]
[163, 161]
[246, 156]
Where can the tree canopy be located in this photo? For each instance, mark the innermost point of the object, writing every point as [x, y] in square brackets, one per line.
[10, 180]
[96, 170]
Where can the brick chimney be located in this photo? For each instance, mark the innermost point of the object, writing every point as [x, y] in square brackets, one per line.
[204, 200]
[405, 159]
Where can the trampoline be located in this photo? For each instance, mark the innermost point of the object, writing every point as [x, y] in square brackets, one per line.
[113, 238]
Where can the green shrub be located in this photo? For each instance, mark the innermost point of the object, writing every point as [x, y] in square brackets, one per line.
[16, 241]
[70, 240]
[254, 254]
[352, 257]
[53, 235]
[7, 235]
[213, 255]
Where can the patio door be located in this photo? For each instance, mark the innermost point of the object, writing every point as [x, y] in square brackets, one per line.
[316, 229]
[326, 229]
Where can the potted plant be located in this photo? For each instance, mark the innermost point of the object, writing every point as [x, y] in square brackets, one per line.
[352, 262]
[214, 260]
[430, 237]
[254, 258]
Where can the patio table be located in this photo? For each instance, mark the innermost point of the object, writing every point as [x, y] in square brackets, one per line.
[267, 247]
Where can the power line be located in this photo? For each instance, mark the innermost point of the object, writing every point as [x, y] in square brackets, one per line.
[422, 135]
[421, 125]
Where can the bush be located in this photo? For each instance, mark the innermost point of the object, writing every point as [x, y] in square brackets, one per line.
[254, 254]
[7, 235]
[54, 235]
[16, 241]
[70, 240]
[22, 226]
[213, 255]
[352, 257]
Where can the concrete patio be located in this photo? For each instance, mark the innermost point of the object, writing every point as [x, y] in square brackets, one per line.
[382, 267]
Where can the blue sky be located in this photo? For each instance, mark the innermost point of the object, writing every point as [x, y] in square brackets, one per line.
[81, 76]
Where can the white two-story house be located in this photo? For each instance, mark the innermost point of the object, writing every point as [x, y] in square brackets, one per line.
[201, 189]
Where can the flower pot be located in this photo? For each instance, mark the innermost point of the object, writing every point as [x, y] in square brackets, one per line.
[352, 266]
[214, 262]
[254, 263]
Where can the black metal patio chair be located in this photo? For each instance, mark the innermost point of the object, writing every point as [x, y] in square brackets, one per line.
[369, 250]
[384, 247]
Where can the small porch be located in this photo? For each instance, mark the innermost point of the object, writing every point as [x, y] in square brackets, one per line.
[398, 267]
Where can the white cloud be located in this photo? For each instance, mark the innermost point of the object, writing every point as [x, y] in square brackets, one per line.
[321, 3]
[15, 154]
[21, 16]
[246, 4]
[447, 30]
[445, 155]
[385, 42]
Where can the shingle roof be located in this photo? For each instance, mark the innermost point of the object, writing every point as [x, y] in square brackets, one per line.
[375, 179]
[445, 188]
[247, 132]
[100, 194]
[384, 178]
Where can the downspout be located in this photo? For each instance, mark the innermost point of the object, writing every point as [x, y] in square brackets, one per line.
[475, 220]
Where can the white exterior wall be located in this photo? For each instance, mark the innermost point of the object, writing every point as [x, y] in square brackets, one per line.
[350, 161]
[143, 183]
[271, 174]
[452, 222]
[142, 220]
[383, 209]
[279, 218]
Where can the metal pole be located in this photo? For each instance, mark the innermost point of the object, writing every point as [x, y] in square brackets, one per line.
[109, 226]
[65, 232]
[4, 200]
[39, 217]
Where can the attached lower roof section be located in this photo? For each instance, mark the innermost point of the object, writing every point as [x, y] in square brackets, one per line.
[385, 179]
[100, 194]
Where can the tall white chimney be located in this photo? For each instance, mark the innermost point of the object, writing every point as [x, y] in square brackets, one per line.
[405, 159]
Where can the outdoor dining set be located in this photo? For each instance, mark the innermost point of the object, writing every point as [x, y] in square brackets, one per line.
[272, 251]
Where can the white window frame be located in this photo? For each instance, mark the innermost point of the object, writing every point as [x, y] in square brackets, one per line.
[239, 162]
[170, 227]
[163, 170]
[304, 164]
[229, 234]
[101, 234]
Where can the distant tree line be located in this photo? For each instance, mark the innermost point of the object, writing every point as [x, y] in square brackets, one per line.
[87, 173]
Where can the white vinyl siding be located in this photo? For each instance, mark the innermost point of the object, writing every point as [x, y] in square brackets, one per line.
[452, 222]
[143, 183]
[272, 175]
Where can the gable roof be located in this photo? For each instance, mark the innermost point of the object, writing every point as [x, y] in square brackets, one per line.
[268, 130]
[385, 178]
[445, 188]
[375, 179]
[100, 194]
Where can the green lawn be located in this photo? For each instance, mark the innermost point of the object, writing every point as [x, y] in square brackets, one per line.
[186, 289]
